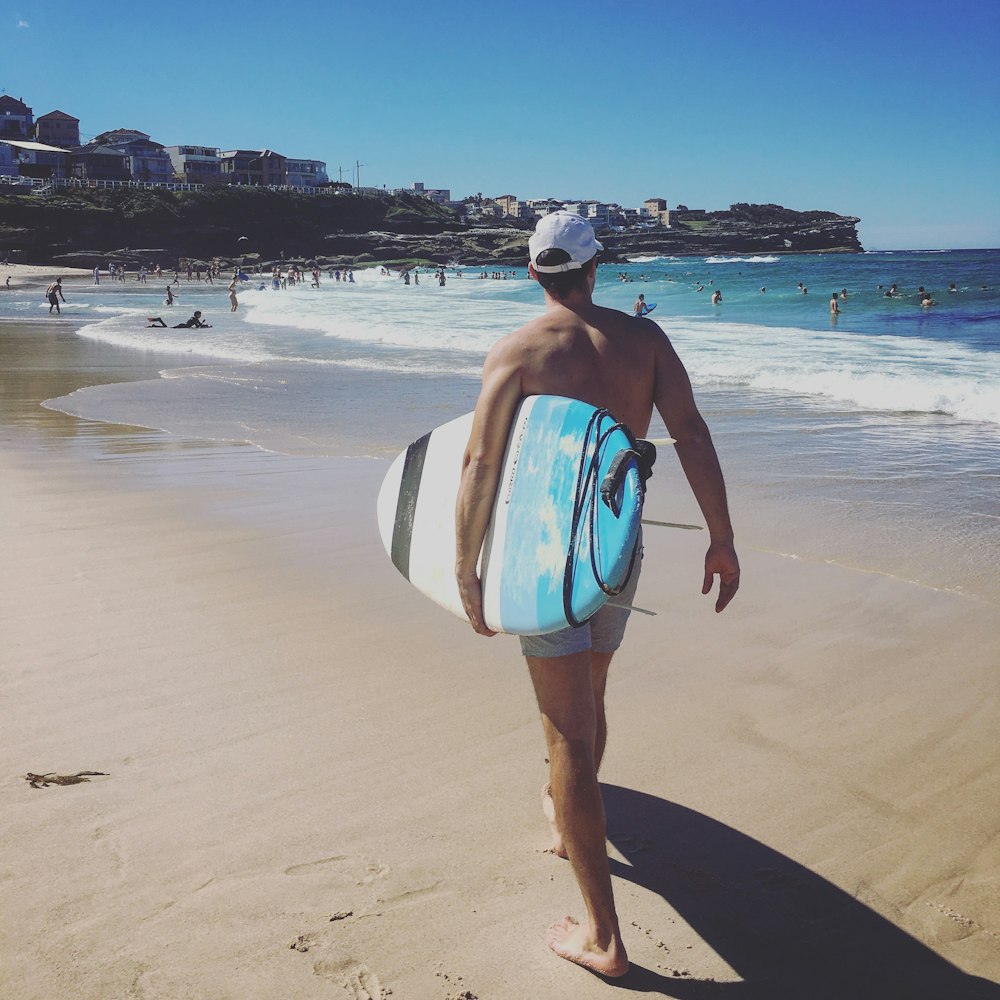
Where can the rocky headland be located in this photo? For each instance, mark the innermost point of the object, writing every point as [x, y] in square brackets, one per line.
[82, 227]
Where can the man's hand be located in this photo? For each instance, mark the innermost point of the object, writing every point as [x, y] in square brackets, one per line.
[721, 559]
[471, 591]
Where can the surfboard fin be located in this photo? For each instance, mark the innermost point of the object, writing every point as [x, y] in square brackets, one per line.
[672, 524]
[633, 607]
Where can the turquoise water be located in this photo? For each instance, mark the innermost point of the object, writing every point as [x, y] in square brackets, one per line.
[871, 440]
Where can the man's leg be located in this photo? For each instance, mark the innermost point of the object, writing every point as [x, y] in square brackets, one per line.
[599, 664]
[564, 687]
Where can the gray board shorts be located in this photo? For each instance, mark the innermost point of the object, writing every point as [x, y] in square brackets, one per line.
[602, 632]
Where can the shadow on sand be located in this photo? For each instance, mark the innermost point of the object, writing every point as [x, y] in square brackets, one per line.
[788, 933]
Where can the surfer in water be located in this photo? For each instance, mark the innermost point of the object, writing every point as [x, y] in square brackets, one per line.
[627, 365]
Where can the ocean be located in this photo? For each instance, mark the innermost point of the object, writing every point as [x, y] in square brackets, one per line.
[870, 440]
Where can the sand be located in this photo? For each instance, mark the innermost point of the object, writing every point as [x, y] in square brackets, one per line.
[26, 274]
[319, 785]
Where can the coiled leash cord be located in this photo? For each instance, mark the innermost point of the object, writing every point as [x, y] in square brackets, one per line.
[644, 454]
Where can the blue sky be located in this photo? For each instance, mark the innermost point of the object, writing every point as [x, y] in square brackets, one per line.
[881, 109]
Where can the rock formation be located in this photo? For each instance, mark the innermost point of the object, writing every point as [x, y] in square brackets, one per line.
[236, 225]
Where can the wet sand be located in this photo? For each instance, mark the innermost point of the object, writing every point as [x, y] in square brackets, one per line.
[318, 784]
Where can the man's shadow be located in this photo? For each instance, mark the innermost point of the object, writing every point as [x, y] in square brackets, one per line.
[788, 933]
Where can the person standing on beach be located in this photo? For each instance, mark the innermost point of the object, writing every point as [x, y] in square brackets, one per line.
[54, 293]
[626, 365]
[233, 301]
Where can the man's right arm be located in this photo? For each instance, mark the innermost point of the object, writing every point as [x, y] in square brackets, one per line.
[481, 469]
[675, 402]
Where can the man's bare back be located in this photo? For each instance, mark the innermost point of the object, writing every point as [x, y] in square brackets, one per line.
[598, 355]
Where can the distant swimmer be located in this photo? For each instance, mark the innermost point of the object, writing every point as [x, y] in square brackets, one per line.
[843, 293]
[53, 293]
[640, 308]
[926, 300]
[951, 287]
[834, 305]
[893, 291]
[716, 297]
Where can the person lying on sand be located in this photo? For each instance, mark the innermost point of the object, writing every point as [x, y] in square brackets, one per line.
[194, 321]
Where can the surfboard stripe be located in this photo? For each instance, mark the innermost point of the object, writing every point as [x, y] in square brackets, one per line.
[406, 504]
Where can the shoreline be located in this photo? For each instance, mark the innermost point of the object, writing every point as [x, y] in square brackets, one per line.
[801, 792]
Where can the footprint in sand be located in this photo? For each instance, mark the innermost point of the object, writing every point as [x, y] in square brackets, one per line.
[358, 870]
[355, 978]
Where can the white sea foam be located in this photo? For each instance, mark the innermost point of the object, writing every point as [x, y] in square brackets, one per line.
[882, 373]
[743, 260]
[379, 324]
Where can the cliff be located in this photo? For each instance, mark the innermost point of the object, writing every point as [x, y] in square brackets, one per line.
[85, 227]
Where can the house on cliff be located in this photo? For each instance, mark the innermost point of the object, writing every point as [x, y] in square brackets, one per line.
[99, 163]
[305, 173]
[195, 164]
[258, 167]
[16, 119]
[58, 129]
[145, 159]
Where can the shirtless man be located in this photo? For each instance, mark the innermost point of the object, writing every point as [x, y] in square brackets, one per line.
[608, 359]
[54, 293]
[640, 308]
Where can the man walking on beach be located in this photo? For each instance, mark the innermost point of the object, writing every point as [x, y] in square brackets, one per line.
[626, 365]
[54, 293]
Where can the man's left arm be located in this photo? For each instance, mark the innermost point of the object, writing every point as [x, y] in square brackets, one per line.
[696, 452]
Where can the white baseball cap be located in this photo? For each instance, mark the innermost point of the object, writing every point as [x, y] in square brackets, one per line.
[563, 231]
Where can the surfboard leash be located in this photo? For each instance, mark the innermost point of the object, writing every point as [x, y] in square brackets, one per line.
[644, 455]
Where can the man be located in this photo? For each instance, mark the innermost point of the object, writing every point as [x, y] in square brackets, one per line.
[54, 293]
[608, 359]
[640, 308]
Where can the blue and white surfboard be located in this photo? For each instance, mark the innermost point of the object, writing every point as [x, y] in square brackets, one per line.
[565, 522]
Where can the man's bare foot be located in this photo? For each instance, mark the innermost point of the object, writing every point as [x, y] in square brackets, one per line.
[572, 941]
[558, 848]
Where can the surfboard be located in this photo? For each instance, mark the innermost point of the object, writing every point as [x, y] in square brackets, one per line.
[650, 307]
[563, 533]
